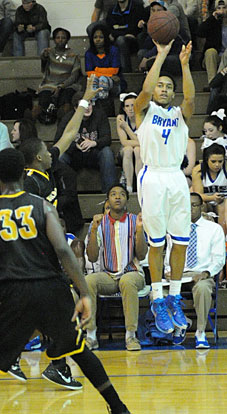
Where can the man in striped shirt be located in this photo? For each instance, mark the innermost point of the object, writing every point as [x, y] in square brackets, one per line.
[121, 236]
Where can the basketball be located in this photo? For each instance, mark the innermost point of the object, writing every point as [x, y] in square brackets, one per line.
[163, 26]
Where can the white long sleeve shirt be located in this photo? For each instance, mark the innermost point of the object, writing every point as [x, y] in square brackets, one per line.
[211, 252]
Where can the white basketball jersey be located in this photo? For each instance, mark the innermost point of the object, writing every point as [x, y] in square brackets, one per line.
[163, 137]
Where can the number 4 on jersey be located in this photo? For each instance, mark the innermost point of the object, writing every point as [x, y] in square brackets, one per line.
[165, 134]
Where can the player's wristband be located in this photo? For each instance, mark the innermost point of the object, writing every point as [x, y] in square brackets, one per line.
[84, 103]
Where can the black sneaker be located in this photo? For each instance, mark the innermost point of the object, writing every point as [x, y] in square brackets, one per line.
[125, 410]
[61, 377]
[16, 371]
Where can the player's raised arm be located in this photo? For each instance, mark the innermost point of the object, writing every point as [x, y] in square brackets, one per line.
[188, 103]
[73, 126]
[145, 96]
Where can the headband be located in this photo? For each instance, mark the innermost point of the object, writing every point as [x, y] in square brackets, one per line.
[220, 113]
[124, 95]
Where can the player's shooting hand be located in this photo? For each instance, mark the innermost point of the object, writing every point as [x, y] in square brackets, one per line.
[82, 307]
[163, 49]
[97, 218]
[185, 53]
[90, 92]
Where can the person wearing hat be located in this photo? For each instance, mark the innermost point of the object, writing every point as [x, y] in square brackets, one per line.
[213, 30]
[61, 73]
[30, 21]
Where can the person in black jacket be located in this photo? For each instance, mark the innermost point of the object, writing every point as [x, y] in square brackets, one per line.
[91, 147]
[30, 21]
[212, 30]
[122, 21]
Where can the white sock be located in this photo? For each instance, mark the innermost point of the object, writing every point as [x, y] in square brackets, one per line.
[175, 287]
[157, 290]
[200, 335]
[91, 334]
[130, 334]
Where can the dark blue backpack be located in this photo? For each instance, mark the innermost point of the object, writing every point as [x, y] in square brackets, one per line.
[148, 334]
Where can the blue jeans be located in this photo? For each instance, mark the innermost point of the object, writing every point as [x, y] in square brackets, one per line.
[6, 28]
[103, 160]
[42, 38]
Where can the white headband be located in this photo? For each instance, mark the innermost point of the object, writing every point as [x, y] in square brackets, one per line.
[220, 113]
[124, 95]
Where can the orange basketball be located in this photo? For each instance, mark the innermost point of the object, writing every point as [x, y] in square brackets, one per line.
[163, 26]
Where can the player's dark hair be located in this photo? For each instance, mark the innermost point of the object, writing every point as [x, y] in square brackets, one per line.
[168, 75]
[207, 152]
[11, 165]
[105, 33]
[30, 149]
[27, 129]
[117, 185]
[198, 196]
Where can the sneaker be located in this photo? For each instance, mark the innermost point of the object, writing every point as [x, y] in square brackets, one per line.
[179, 336]
[201, 344]
[61, 377]
[92, 343]
[163, 321]
[133, 344]
[33, 345]
[173, 303]
[16, 371]
[125, 410]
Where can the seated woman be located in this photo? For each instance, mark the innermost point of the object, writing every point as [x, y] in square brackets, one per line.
[214, 130]
[103, 60]
[62, 76]
[126, 129]
[209, 179]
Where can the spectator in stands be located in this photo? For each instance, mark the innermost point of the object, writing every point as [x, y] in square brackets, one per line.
[30, 21]
[4, 137]
[23, 129]
[126, 129]
[61, 75]
[122, 20]
[103, 60]
[218, 90]
[213, 29]
[7, 16]
[209, 179]
[94, 267]
[214, 129]
[99, 13]
[121, 236]
[176, 8]
[91, 146]
[191, 10]
[201, 265]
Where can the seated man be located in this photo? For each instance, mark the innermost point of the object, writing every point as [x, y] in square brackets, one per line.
[30, 21]
[121, 236]
[7, 15]
[91, 146]
[205, 257]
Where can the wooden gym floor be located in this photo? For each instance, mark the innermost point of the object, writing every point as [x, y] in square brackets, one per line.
[152, 381]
